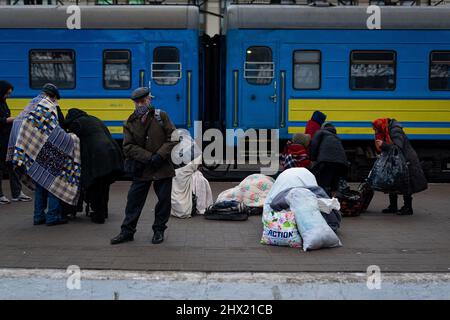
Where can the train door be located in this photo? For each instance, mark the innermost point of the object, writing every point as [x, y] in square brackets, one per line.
[168, 81]
[259, 98]
[300, 78]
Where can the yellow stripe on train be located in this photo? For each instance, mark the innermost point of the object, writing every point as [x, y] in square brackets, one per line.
[369, 109]
[356, 130]
[104, 109]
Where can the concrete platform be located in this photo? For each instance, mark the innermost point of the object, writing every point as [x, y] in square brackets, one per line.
[418, 243]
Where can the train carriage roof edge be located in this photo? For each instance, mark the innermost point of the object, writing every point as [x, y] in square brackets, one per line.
[334, 17]
[102, 17]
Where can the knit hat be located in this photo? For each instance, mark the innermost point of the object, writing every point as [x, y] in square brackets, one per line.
[301, 138]
[330, 127]
[319, 117]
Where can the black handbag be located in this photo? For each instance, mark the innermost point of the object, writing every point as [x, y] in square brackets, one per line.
[227, 210]
[390, 172]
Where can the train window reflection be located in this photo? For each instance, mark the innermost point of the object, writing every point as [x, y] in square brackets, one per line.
[307, 69]
[440, 70]
[259, 67]
[166, 66]
[55, 66]
[372, 70]
[116, 69]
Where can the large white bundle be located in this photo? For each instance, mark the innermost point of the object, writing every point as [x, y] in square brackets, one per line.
[202, 190]
[290, 178]
[313, 228]
[182, 191]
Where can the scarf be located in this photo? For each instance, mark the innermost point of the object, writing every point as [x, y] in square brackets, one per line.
[142, 111]
[381, 127]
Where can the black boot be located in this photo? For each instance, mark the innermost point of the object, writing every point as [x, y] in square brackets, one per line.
[406, 210]
[121, 238]
[158, 237]
[392, 204]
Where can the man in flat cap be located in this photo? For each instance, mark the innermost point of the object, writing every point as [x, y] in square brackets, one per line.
[147, 145]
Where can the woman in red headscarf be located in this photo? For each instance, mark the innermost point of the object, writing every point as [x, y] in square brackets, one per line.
[389, 132]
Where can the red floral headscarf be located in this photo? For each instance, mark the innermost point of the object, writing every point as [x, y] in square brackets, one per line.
[381, 127]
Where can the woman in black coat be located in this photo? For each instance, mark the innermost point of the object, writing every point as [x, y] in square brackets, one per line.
[5, 129]
[331, 163]
[101, 160]
[389, 132]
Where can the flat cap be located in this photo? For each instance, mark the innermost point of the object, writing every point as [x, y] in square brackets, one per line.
[140, 93]
[52, 90]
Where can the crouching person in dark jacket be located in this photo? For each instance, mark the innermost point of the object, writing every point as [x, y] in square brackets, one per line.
[331, 163]
[147, 144]
[101, 160]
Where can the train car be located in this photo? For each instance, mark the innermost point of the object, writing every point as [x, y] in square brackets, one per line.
[96, 67]
[286, 61]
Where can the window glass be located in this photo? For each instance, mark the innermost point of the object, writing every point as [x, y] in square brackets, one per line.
[55, 66]
[440, 70]
[307, 70]
[166, 66]
[372, 70]
[259, 66]
[116, 69]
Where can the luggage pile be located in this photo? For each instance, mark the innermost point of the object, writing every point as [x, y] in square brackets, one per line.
[299, 214]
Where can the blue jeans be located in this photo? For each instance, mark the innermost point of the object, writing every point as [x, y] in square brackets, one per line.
[42, 198]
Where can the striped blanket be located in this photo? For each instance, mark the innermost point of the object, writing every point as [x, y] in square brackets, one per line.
[49, 155]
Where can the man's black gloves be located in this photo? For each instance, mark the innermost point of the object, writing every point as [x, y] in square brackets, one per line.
[156, 161]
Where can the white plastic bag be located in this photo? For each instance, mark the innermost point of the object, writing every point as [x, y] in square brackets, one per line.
[280, 229]
[328, 205]
[313, 228]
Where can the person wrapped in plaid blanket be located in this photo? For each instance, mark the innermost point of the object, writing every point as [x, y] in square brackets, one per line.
[48, 155]
[295, 154]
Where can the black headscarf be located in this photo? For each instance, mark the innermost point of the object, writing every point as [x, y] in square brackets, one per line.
[72, 115]
[4, 87]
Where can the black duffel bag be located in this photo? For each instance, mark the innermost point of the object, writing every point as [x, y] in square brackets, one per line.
[227, 210]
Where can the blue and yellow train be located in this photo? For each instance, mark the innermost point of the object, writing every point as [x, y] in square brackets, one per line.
[97, 66]
[273, 67]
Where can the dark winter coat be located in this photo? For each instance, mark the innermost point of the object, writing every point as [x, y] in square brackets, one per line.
[143, 140]
[326, 146]
[417, 180]
[101, 156]
[5, 128]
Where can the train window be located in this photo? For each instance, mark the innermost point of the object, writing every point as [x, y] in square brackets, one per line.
[166, 66]
[372, 70]
[117, 69]
[307, 69]
[259, 67]
[55, 66]
[440, 70]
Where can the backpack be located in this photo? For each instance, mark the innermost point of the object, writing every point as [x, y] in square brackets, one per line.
[227, 210]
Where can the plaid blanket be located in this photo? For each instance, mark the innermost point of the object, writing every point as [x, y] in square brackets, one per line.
[49, 155]
[17, 124]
